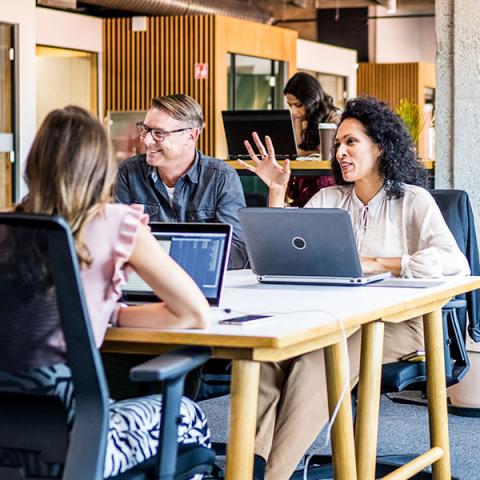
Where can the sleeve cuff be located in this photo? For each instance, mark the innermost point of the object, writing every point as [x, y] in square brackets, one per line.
[405, 271]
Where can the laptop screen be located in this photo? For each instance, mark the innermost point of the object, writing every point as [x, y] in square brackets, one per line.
[201, 249]
[277, 124]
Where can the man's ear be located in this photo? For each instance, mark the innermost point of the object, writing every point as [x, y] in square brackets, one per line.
[193, 135]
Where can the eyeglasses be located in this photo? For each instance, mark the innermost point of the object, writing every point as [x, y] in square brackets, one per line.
[157, 134]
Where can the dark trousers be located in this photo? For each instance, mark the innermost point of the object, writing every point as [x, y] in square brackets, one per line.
[117, 368]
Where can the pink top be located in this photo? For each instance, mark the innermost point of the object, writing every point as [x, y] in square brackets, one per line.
[110, 237]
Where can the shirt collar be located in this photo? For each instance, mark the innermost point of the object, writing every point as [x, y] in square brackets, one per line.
[192, 173]
[373, 202]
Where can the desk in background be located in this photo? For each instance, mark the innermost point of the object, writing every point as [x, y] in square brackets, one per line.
[256, 191]
[291, 334]
[311, 167]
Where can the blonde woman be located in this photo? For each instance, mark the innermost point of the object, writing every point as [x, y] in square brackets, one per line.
[70, 171]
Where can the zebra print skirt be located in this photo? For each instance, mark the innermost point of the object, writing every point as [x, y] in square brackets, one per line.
[134, 423]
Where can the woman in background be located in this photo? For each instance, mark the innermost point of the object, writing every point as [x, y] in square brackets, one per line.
[398, 228]
[310, 105]
[70, 171]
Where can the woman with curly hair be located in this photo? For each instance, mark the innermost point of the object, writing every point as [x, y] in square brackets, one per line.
[310, 105]
[398, 228]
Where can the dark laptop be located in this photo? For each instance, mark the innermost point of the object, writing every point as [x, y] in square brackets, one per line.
[277, 124]
[305, 246]
[201, 249]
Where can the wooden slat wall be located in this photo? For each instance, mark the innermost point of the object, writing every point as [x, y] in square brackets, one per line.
[389, 82]
[160, 61]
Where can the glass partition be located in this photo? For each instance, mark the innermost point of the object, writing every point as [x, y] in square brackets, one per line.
[255, 83]
[121, 127]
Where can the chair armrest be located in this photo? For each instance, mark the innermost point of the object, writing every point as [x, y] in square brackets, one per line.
[456, 303]
[170, 365]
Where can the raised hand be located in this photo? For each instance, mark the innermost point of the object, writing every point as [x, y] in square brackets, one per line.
[274, 175]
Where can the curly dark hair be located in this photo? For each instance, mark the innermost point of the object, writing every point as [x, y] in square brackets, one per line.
[318, 105]
[398, 161]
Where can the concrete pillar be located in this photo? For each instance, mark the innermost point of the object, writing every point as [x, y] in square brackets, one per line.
[457, 115]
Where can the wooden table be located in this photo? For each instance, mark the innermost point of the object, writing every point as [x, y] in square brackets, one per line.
[305, 319]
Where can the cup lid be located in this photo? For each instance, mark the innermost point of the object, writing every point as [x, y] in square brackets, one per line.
[327, 125]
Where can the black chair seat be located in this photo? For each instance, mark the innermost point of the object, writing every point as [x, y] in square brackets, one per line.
[201, 457]
[191, 459]
[398, 376]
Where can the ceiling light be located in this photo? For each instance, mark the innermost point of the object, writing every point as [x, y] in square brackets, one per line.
[391, 6]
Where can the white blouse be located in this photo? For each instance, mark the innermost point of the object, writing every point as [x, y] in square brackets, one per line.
[410, 227]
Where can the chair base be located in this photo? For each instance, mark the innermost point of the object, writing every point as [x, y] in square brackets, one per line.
[407, 398]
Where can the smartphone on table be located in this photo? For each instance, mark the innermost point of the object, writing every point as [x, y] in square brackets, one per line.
[244, 320]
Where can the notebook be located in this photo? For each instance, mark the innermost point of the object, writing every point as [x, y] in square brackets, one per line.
[239, 125]
[201, 249]
[304, 246]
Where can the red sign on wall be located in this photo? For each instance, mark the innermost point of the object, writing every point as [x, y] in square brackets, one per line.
[201, 71]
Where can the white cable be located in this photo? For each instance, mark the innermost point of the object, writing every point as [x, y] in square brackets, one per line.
[345, 389]
[346, 385]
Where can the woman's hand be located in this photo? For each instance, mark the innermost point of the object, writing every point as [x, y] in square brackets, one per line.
[183, 306]
[274, 175]
[381, 264]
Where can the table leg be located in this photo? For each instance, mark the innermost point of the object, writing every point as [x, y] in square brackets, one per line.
[366, 428]
[243, 417]
[437, 392]
[343, 446]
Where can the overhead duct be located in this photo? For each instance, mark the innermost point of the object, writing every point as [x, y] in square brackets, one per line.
[231, 8]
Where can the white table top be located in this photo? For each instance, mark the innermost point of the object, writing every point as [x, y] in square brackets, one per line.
[299, 312]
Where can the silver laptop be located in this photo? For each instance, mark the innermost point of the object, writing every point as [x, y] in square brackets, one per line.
[201, 249]
[306, 246]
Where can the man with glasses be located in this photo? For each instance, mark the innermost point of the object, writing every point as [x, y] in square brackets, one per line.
[176, 182]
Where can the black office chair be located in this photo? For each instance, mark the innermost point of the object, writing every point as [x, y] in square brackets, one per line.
[35, 440]
[397, 377]
[403, 376]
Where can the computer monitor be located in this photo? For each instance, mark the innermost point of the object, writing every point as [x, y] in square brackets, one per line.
[201, 249]
[277, 124]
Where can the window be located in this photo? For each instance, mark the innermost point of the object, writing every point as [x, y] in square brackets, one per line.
[255, 83]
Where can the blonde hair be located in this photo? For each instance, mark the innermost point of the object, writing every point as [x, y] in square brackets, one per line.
[180, 107]
[70, 171]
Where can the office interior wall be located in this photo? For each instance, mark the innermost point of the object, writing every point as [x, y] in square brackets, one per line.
[68, 30]
[65, 77]
[22, 14]
[393, 82]
[252, 39]
[139, 65]
[49, 27]
[323, 58]
[56, 28]
[161, 60]
[399, 39]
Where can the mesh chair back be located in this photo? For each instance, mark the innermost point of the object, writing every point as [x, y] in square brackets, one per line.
[43, 322]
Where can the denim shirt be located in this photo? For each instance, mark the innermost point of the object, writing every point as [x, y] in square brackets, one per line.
[209, 192]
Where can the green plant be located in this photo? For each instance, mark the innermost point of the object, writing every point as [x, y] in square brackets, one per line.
[412, 117]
